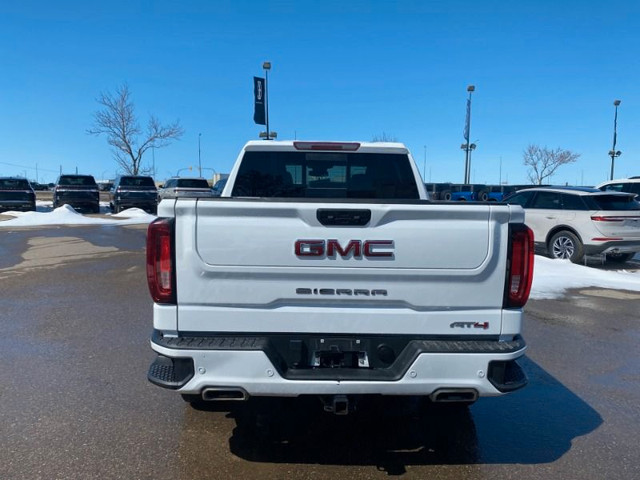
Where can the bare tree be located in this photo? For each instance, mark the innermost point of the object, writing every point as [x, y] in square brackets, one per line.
[117, 120]
[543, 162]
[384, 137]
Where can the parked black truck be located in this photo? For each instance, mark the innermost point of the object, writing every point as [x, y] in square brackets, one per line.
[133, 191]
[79, 191]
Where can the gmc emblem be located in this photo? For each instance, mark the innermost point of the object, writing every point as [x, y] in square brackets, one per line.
[353, 249]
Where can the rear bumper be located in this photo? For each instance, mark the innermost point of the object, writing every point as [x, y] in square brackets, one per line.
[139, 199]
[622, 246]
[79, 200]
[143, 204]
[253, 365]
[26, 204]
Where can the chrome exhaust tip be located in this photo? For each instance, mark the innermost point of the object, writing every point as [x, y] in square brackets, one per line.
[452, 395]
[224, 394]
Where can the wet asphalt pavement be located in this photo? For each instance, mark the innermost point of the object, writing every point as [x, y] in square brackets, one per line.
[75, 403]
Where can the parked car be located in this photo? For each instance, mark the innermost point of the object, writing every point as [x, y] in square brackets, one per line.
[133, 191]
[185, 187]
[16, 194]
[79, 191]
[105, 186]
[496, 193]
[39, 187]
[571, 222]
[629, 185]
[219, 187]
[466, 193]
[438, 191]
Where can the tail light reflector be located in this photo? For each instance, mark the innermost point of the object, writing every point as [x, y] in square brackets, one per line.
[520, 268]
[606, 239]
[600, 218]
[161, 261]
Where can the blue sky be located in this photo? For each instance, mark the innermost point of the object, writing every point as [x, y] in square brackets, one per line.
[545, 72]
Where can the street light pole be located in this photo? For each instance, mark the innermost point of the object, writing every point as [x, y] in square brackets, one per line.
[467, 146]
[424, 166]
[199, 162]
[613, 152]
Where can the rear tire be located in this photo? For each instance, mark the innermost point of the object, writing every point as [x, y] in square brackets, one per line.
[446, 196]
[483, 196]
[566, 245]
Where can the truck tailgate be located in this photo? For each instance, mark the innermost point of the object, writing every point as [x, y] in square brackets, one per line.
[430, 269]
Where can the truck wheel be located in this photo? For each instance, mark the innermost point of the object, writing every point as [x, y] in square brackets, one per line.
[619, 257]
[116, 208]
[565, 244]
[446, 195]
[483, 196]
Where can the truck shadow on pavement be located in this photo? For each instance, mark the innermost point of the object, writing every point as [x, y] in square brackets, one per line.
[535, 425]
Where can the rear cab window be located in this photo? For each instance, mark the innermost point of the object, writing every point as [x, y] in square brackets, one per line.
[293, 174]
[14, 184]
[75, 180]
[137, 182]
[192, 183]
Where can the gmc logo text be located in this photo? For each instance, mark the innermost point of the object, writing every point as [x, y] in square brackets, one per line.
[353, 249]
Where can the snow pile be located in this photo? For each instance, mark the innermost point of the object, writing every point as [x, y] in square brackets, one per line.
[66, 215]
[134, 213]
[552, 277]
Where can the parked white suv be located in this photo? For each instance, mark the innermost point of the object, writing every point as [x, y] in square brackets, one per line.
[185, 187]
[573, 222]
[629, 185]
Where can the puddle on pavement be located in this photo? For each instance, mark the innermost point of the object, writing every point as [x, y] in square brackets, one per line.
[49, 252]
[614, 294]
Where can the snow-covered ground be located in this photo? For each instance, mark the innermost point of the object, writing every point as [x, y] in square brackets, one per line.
[550, 280]
[66, 215]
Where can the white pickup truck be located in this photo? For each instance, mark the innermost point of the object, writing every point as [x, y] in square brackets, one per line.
[323, 269]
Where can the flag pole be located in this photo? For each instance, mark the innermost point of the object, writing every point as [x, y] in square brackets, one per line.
[267, 67]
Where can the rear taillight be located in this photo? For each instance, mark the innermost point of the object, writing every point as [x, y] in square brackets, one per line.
[161, 261]
[520, 266]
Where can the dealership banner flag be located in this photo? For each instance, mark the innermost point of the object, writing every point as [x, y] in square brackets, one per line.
[258, 95]
[466, 123]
